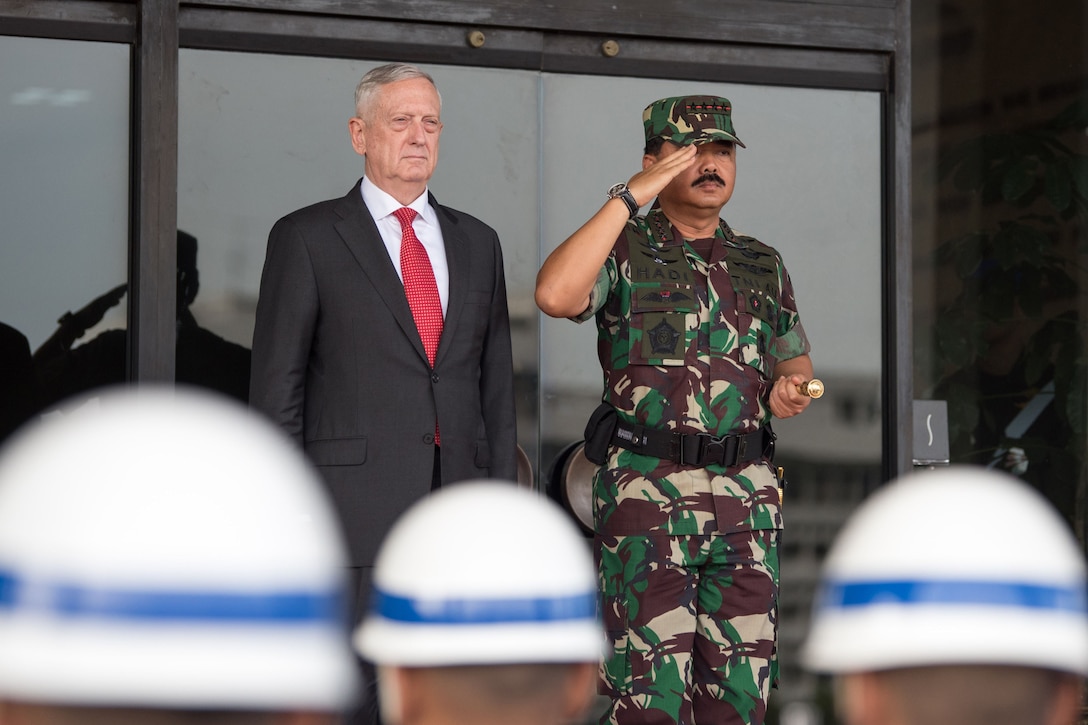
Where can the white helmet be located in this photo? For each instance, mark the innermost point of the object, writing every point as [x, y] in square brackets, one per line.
[955, 566]
[482, 573]
[169, 549]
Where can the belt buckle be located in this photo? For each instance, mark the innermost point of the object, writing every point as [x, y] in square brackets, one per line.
[676, 442]
[692, 448]
[713, 449]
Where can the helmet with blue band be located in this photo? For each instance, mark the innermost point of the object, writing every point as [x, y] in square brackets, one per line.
[959, 565]
[169, 549]
[482, 573]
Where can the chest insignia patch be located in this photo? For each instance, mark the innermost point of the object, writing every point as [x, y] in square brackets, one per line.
[666, 295]
[663, 337]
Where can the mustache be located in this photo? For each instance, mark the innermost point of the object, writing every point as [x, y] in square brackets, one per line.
[709, 177]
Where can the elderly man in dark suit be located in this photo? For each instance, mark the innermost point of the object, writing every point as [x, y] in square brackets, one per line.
[392, 371]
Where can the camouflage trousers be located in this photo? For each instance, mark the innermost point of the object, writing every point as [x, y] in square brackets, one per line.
[692, 623]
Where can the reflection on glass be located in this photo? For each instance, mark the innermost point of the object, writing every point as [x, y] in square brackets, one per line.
[204, 358]
[999, 242]
[64, 139]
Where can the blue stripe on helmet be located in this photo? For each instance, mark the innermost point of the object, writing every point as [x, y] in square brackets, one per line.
[484, 611]
[76, 601]
[849, 594]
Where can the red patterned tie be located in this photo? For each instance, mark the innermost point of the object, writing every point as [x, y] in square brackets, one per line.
[420, 287]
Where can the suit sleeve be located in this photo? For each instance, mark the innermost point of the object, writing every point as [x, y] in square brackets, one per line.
[497, 380]
[287, 308]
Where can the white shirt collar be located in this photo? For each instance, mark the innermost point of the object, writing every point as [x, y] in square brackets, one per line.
[381, 204]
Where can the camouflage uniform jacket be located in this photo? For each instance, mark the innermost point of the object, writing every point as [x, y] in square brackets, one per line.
[690, 345]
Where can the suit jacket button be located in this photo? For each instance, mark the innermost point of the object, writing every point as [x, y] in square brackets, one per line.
[434, 377]
[428, 439]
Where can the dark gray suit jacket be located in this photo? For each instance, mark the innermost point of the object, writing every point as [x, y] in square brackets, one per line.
[338, 363]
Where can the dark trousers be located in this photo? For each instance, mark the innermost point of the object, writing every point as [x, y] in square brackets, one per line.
[367, 711]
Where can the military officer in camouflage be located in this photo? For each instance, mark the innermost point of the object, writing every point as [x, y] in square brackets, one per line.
[701, 345]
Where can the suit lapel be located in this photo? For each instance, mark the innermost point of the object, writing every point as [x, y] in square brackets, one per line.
[457, 261]
[359, 232]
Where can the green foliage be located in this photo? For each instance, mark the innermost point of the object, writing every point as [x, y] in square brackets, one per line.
[1019, 275]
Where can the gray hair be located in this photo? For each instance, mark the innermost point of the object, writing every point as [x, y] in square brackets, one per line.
[383, 75]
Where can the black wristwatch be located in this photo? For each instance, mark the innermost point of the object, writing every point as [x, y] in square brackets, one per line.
[620, 191]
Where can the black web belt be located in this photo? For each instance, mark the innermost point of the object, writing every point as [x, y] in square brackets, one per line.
[696, 449]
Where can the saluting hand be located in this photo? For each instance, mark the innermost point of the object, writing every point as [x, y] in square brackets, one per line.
[658, 171]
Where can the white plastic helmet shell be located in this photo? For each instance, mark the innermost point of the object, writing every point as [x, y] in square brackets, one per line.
[169, 549]
[482, 573]
[952, 566]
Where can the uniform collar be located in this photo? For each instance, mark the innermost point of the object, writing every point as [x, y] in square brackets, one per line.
[664, 234]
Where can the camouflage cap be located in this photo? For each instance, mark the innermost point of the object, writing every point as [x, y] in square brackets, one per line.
[686, 120]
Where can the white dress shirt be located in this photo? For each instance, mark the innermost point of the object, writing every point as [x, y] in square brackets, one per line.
[382, 206]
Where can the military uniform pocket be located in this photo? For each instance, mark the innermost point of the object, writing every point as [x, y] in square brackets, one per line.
[662, 313]
[615, 667]
[757, 318]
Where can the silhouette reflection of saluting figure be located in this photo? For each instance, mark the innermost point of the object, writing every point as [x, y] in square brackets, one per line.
[19, 394]
[203, 358]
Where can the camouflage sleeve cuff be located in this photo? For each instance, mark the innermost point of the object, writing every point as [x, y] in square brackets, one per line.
[792, 344]
[597, 295]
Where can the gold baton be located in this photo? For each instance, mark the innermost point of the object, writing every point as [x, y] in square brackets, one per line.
[812, 388]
